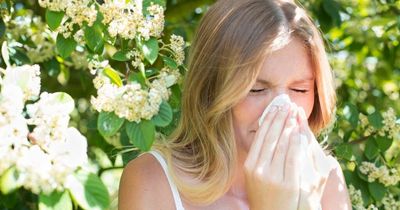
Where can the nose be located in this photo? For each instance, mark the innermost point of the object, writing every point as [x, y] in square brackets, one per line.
[279, 91]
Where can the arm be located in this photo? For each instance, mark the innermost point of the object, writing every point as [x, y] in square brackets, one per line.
[335, 196]
[143, 185]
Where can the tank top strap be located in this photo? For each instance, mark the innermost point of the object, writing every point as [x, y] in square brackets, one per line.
[174, 190]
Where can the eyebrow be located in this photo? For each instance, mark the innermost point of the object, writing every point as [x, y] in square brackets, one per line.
[265, 82]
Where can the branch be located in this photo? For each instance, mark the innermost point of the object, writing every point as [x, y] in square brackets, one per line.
[362, 139]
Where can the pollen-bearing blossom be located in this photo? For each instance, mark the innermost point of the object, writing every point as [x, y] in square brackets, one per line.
[390, 128]
[132, 101]
[26, 78]
[126, 19]
[76, 12]
[46, 154]
[386, 176]
[177, 45]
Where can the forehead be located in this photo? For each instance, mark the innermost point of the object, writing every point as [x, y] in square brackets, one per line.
[289, 63]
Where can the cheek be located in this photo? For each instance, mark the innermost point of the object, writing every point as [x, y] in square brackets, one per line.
[246, 113]
[306, 102]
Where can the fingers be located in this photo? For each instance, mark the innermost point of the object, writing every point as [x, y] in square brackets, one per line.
[279, 156]
[294, 157]
[254, 151]
[272, 136]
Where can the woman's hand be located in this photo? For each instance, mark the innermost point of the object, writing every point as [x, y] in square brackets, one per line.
[273, 167]
[312, 190]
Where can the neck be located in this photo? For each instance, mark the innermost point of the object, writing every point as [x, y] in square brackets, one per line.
[238, 188]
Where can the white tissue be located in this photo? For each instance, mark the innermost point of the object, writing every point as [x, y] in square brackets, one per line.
[277, 101]
[315, 162]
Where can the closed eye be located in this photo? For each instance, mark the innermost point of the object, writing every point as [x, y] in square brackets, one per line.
[300, 90]
[257, 90]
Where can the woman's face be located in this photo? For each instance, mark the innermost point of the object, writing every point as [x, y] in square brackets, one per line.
[287, 70]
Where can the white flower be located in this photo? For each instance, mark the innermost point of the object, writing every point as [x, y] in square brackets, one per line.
[26, 78]
[390, 127]
[35, 168]
[390, 203]
[382, 174]
[54, 5]
[100, 80]
[178, 45]
[355, 197]
[95, 64]
[52, 151]
[70, 152]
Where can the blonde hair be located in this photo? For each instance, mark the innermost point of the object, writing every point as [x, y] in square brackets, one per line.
[232, 41]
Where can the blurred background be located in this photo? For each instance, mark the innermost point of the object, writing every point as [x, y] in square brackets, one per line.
[361, 36]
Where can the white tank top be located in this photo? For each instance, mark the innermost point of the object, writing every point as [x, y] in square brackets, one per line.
[174, 190]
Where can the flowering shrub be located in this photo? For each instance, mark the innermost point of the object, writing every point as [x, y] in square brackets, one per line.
[111, 73]
[140, 92]
[39, 151]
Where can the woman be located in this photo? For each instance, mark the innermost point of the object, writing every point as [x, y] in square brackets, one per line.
[244, 54]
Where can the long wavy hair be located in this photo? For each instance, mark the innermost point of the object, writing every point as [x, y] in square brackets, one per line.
[232, 41]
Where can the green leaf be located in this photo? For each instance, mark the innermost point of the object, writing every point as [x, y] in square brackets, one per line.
[2, 28]
[88, 191]
[121, 56]
[9, 181]
[371, 149]
[347, 136]
[94, 38]
[361, 175]
[19, 57]
[137, 77]
[108, 123]
[376, 120]
[351, 113]
[52, 67]
[101, 157]
[344, 151]
[54, 19]
[332, 8]
[383, 143]
[113, 75]
[150, 49]
[65, 46]
[141, 134]
[170, 62]
[150, 72]
[56, 200]
[358, 183]
[164, 116]
[377, 190]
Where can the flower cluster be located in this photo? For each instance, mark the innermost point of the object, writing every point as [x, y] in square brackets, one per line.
[391, 127]
[48, 151]
[54, 5]
[357, 201]
[77, 12]
[96, 64]
[131, 101]
[386, 176]
[390, 203]
[40, 46]
[177, 46]
[126, 19]
[123, 18]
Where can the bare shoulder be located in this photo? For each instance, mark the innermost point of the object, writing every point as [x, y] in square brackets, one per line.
[144, 185]
[335, 195]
